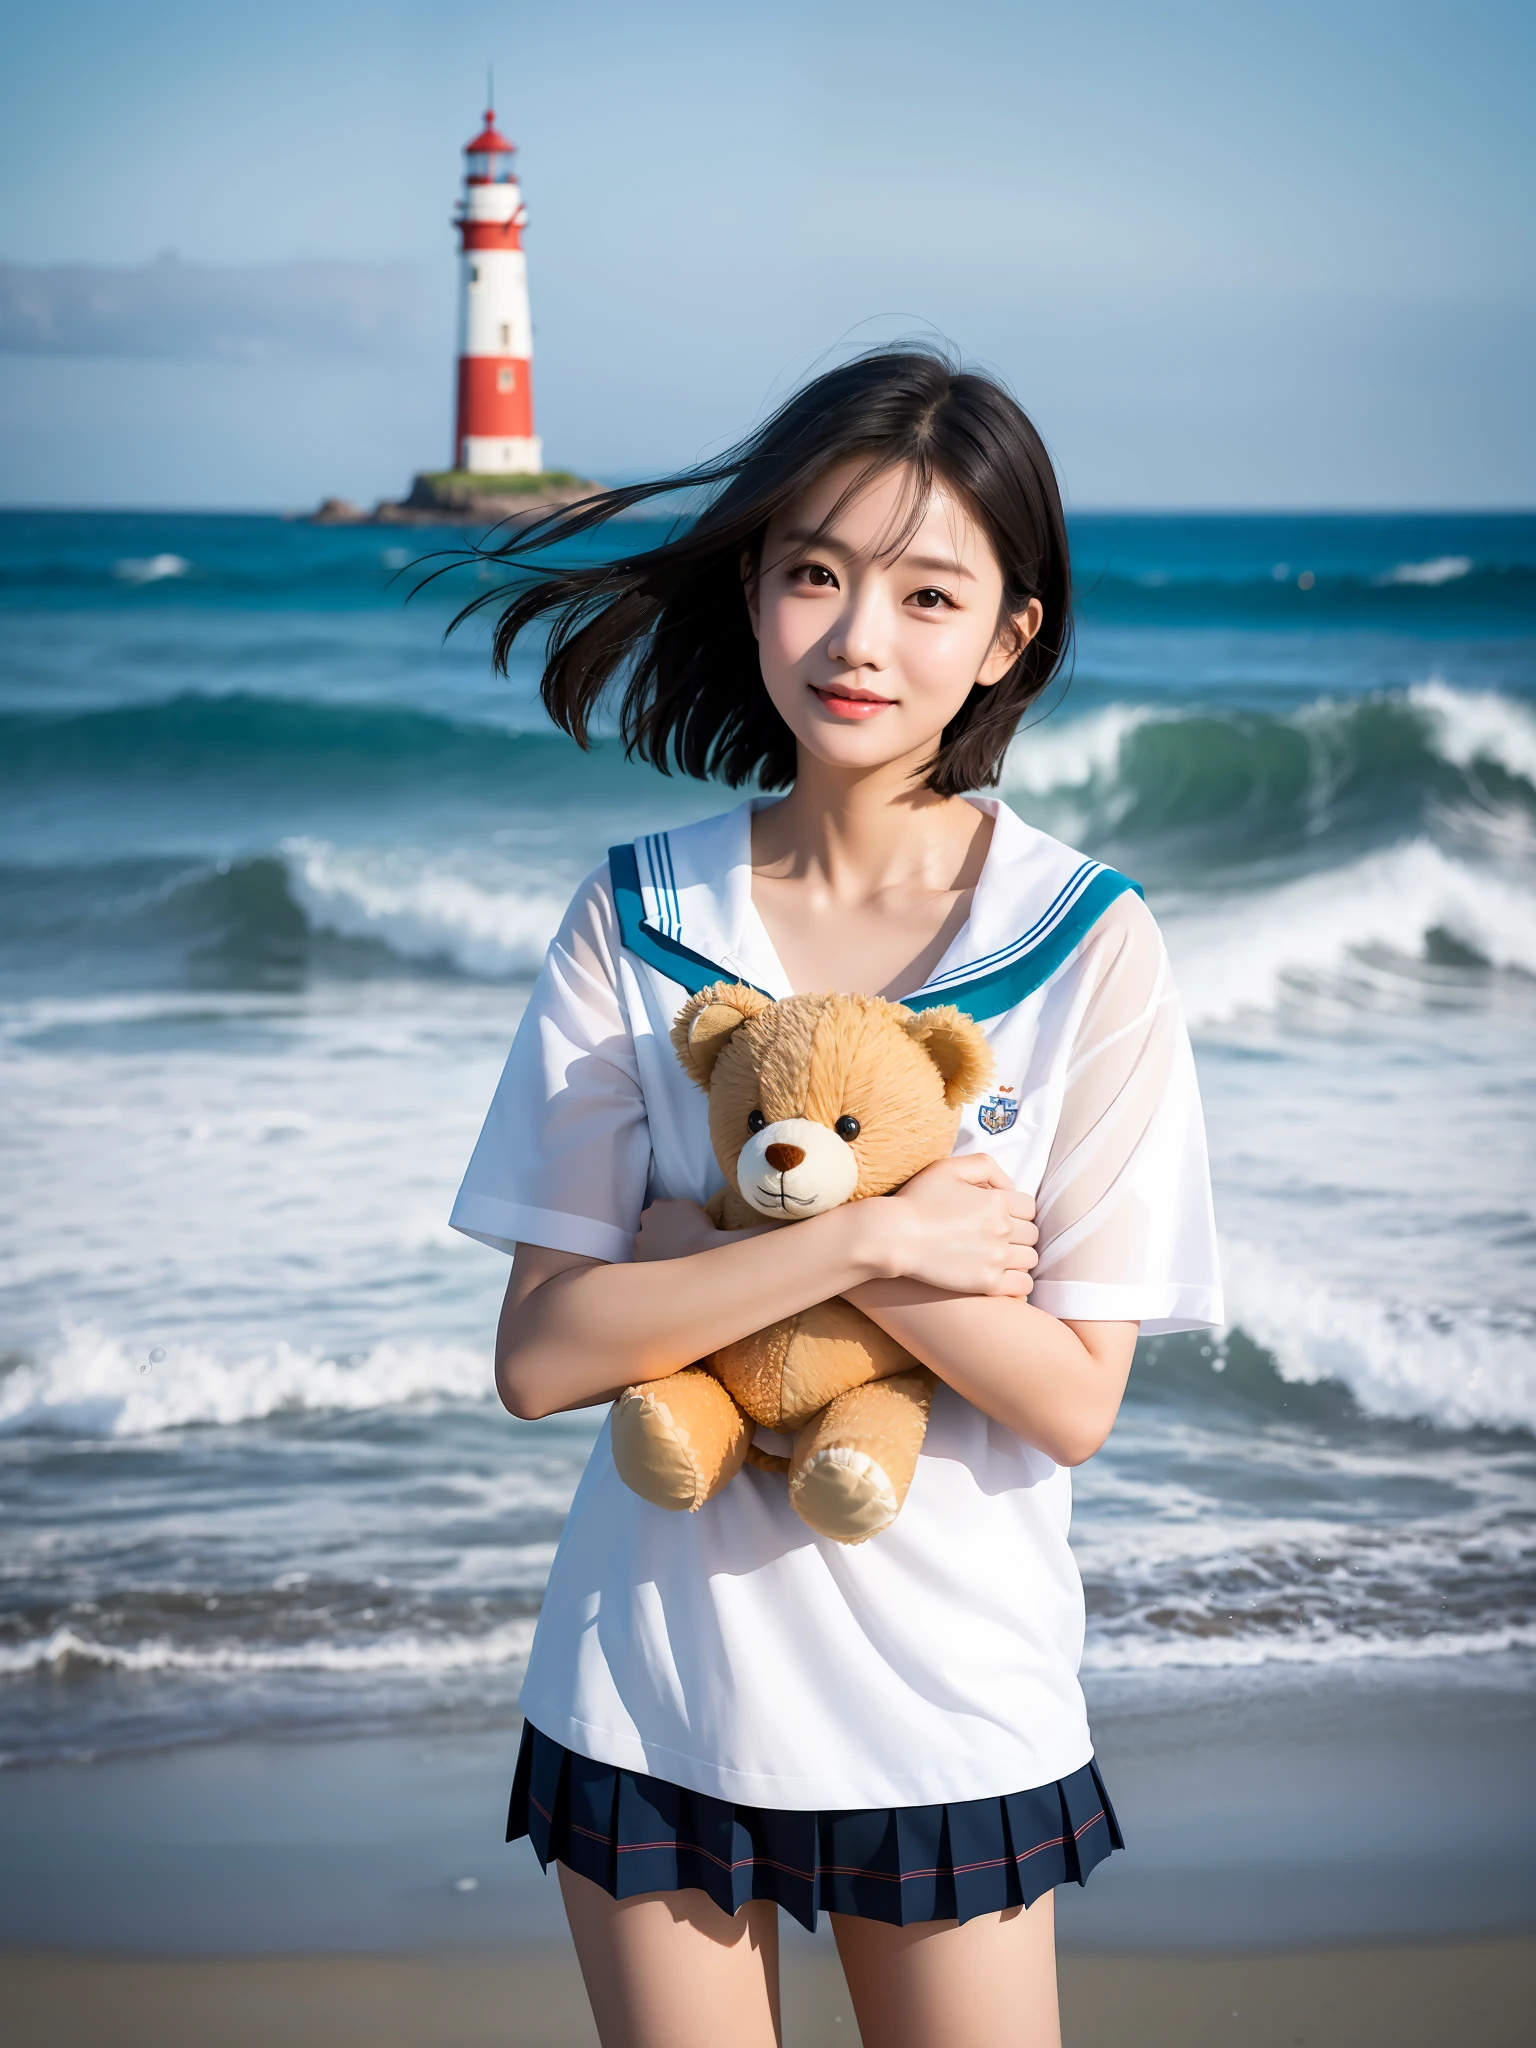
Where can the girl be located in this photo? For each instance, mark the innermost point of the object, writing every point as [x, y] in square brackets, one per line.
[724, 1712]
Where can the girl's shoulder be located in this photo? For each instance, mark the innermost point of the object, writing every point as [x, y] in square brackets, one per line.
[674, 894]
[1040, 906]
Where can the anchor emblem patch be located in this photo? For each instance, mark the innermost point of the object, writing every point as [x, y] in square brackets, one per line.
[999, 1112]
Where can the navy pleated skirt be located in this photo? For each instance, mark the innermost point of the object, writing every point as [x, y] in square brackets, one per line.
[901, 1864]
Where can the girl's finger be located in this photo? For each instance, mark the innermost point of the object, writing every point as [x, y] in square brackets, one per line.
[979, 1170]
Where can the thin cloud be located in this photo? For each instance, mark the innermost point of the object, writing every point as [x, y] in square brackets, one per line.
[204, 311]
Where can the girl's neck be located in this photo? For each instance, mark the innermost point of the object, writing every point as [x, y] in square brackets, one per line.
[860, 836]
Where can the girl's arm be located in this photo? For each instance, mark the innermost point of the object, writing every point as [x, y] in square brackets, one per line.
[575, 1330]
[1058, 1385]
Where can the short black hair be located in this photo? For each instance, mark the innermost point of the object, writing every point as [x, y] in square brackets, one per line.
[672, 621]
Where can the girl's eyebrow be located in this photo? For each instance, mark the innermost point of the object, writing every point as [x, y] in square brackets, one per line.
[943, 563]
[806, 536]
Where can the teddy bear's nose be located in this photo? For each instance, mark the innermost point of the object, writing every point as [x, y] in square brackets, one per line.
[782, 1157]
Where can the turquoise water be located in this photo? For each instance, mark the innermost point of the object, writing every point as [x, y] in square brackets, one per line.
[276, 866]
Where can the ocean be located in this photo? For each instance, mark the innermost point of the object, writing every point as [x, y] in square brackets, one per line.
[277, 866]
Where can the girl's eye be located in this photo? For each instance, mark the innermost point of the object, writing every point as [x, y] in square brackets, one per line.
[756, 1121]
[847, 1128]
[929, 600]
[817, 574]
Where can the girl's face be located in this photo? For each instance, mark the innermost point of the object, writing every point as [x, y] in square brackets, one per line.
[866, 654]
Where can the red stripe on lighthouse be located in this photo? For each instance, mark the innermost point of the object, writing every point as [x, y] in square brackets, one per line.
[495, 398]
[490, 234]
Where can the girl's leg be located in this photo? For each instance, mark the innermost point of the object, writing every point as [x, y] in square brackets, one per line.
[990, 1983]
[670, 1970]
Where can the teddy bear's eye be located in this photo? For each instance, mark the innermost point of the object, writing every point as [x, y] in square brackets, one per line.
[756, 1121]
[847, 1127]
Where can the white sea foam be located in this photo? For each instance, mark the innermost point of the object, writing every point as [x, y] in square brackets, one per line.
[35, 1014]
[1440, 569]
[150, 568]
[1243, 955]
[1478, 725]
[423, 907]
[1459, 1369]
[94, 1386]
[428, 1655]
[1112, 1651]
[1074, 753]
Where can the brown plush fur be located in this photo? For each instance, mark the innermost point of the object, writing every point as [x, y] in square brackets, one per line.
[856, 1402]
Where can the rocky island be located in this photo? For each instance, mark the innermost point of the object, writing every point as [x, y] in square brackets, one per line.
[450, 497]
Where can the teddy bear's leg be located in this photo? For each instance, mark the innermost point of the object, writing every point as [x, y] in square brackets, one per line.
[677, 1441]
[854, 1461]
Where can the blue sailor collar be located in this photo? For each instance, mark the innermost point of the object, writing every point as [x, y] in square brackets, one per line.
[684, 906]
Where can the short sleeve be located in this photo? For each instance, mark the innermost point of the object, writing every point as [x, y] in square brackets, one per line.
[1127, 1228]
[564, 1157]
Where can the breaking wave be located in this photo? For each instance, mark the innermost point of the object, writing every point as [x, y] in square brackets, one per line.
[422, 909]
[1147, 766]
[1461, 1369]
[93, 1386]
[1253, 950]
[1247, 783]
[1458, 1369]
[1468, 726]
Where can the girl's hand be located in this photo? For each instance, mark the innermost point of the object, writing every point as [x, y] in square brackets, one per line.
[673, 1230]
[961, 1226]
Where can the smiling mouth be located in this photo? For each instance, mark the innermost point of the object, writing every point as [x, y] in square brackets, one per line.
[850, 704]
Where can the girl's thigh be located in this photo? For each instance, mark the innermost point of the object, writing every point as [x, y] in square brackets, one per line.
[670, 1970]
[989, 1983]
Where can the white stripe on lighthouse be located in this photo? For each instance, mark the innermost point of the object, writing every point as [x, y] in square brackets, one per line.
[486, 456]
[493, 298]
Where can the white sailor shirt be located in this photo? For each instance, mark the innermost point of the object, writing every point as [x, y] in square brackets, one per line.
[734, 1651]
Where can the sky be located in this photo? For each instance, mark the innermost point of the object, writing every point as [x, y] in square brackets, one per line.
[1226, 255]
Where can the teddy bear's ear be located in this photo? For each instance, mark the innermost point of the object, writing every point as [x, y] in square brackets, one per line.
[958, 1047]
[704, 1024]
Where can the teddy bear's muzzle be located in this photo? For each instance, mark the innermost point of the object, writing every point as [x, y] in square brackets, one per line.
[796, 1167]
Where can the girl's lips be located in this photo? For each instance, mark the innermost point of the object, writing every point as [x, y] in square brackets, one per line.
[851, 708]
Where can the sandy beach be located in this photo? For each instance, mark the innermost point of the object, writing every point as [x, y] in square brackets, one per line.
[1419, 1997]
[1319, 1864]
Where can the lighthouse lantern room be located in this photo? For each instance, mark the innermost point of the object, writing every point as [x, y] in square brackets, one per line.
[493, 432]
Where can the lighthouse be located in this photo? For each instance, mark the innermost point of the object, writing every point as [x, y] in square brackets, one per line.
[493, 429]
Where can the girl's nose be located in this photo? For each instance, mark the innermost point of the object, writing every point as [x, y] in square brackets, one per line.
[782, 1157]
[859, 639]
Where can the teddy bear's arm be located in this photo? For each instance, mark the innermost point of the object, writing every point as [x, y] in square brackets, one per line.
[677, 1441]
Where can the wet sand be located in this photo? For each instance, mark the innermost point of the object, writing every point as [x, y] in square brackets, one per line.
[1412, 1997]
[1310, 1863]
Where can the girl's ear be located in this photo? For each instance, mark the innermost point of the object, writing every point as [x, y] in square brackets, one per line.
[958, 1047]
[1014, 635]
[751, 584]
[703, 1026]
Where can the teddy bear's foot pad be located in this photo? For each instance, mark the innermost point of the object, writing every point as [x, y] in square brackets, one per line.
[845, 1494]
[677, 1441]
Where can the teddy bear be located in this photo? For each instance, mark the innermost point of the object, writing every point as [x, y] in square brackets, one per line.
[814, 1100]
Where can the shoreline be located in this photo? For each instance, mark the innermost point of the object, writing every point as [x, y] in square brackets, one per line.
[1280, 1812]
